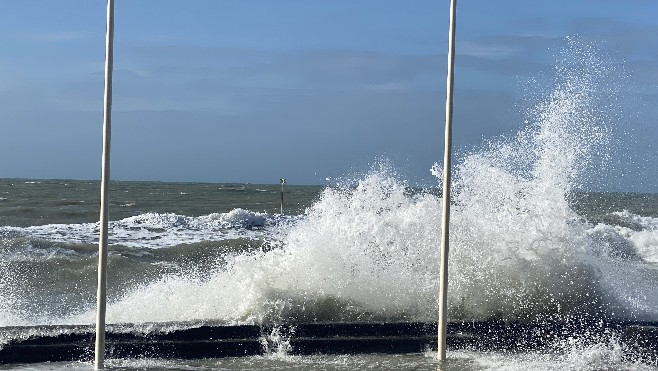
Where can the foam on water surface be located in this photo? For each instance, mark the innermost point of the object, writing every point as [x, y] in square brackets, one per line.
[643, 236]
[155, 230]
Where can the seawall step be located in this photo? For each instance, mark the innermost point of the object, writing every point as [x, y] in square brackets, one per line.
[188, 340]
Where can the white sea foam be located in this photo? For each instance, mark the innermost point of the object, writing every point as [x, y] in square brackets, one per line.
[155, 230]
[645, 239]
[370, 253]
[605, 355]
[630, 242]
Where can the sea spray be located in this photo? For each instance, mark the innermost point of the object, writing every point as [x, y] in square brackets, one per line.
[11, 283]
[373, 233]
[7, 318]
[520, 251]
[276, 343]
[368, 251]
[518, 245]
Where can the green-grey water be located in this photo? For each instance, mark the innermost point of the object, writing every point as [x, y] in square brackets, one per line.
[28, 202]
[171, 234]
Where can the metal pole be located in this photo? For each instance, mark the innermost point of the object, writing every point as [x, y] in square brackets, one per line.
[105, 178]
[282, 181]
[445, 221]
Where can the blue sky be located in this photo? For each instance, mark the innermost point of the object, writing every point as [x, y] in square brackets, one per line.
[251, 91]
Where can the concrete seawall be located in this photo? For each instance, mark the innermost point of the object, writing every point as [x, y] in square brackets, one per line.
[203, 340]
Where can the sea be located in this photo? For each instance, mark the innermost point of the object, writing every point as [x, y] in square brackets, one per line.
[530, 240]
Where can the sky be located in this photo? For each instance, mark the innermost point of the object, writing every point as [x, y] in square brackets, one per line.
[310, 90]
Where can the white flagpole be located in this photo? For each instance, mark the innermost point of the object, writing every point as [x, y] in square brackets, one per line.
[445, 222]
[105, 178]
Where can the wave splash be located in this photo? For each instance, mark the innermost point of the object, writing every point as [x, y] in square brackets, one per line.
[519, 251]
[369, 251]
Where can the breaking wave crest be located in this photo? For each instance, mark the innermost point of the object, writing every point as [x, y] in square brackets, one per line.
[368, 251]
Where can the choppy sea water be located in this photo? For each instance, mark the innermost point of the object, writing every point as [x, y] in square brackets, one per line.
[528, 243]
[367, 253]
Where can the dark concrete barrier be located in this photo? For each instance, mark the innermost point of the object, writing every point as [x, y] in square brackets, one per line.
[69, 343]
[203, 340]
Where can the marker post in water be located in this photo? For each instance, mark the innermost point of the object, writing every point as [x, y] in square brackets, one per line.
[445, 221]
[105, 178]
[282, 181]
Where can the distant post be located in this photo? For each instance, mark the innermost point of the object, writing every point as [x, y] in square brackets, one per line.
[445, 222]
[282, 181]
[105, 178]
